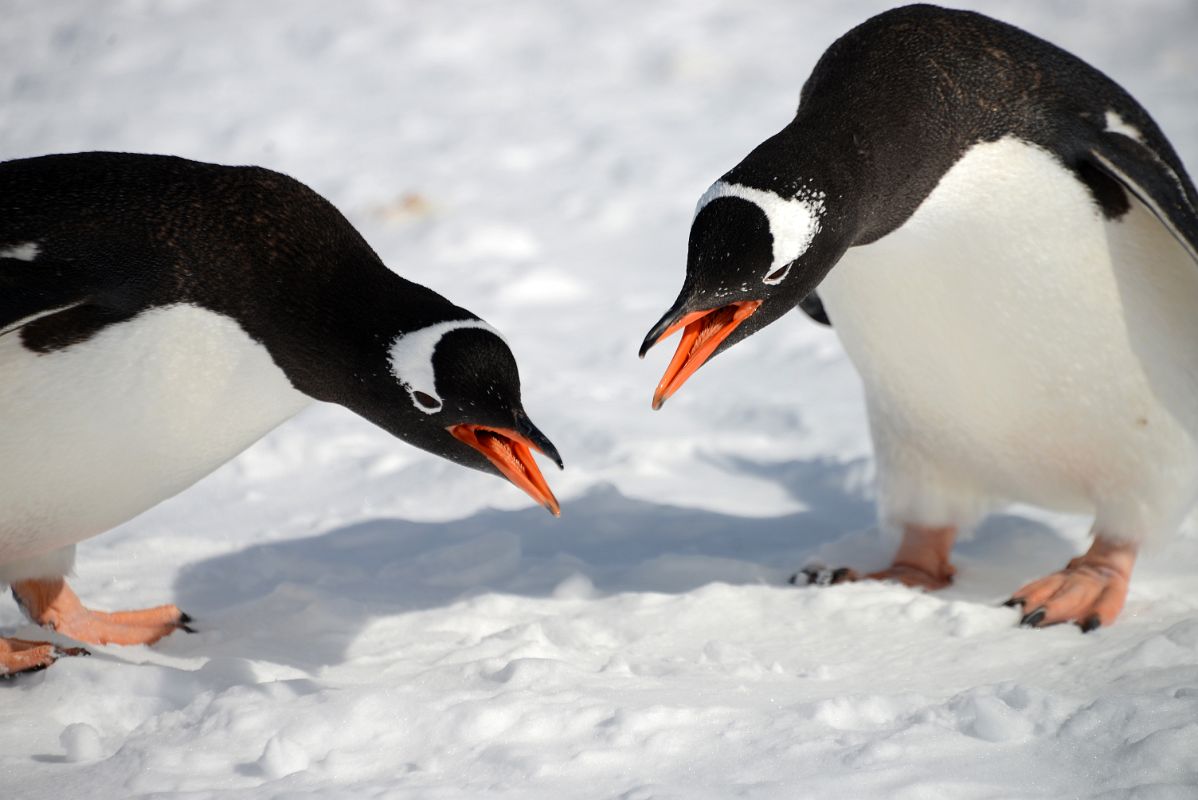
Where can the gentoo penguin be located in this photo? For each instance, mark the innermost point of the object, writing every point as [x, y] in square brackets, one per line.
[1007, 246]
[159, 315]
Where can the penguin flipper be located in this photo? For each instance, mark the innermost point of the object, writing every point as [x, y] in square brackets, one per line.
[1169, 195]
[813, 307]
[32, 290]
[58, 296]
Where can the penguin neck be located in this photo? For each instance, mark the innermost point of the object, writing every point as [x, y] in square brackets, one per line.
[336, 347]
[869, 180]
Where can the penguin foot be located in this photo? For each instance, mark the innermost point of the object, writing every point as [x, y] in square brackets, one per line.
[20, 655]
[52, 604]
[1090, 591]
[906, 574]
[921, 562]
[917, 577]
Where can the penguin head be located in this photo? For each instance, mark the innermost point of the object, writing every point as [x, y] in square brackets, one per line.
[452, 388]
[753, 256]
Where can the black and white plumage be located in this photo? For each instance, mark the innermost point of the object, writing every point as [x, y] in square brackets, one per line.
[158, 315]
[1006, 244]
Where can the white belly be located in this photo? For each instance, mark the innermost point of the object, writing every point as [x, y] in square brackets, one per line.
[92, 435]
[1014, 345]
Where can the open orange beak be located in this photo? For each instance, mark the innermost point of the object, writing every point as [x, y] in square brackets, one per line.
[511, 453]
[702, 333]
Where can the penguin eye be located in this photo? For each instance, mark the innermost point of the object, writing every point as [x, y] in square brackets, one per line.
[426, 400]
[778, 274]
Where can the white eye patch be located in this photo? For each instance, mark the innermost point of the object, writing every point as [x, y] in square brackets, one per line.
[412, 360]
[793, 221]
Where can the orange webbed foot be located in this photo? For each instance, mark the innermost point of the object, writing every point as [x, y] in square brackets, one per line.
[1090, 591]
[921, 562]
[917, 577]
[21, 655]
[51, 603]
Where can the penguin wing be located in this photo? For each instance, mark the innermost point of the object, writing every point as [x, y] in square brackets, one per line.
[33, 290]
[1157, 185]
[813, 307]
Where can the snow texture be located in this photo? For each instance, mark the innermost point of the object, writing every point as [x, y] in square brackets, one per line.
[376, 623]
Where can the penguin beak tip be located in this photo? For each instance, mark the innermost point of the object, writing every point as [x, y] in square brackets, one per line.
[702, 333]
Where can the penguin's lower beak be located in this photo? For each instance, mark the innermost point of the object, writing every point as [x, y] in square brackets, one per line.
[702, 334]
[510, 451]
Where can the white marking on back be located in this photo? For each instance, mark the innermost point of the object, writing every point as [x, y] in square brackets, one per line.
[1016, 345]
[793, 222]
[95, 433]
[1116, 124]
[22, 252]
[412, 358]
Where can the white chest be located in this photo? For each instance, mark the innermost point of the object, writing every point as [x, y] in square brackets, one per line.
[1012, 335]
[94, 434]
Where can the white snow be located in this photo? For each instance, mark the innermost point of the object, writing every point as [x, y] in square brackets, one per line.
[374, 622]
[81, 742]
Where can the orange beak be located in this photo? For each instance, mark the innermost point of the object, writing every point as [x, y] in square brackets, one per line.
[511, 453]
[702, 333]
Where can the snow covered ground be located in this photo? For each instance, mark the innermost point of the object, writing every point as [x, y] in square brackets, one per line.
[375, 623]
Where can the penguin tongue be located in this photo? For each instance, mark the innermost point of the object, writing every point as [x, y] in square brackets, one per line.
[703, 331]
[509, 451]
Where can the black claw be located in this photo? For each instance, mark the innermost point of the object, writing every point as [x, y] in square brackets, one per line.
[817, 576]
[187, 628]
[809, 575]
[1090, 623]
[1014, 601]
[184, 618]
[1035, 618]
[66, 652]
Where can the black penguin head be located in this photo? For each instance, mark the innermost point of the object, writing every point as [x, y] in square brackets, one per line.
[753, 256]
[453, 388]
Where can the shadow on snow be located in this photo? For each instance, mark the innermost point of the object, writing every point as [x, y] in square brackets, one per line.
[303, 601]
